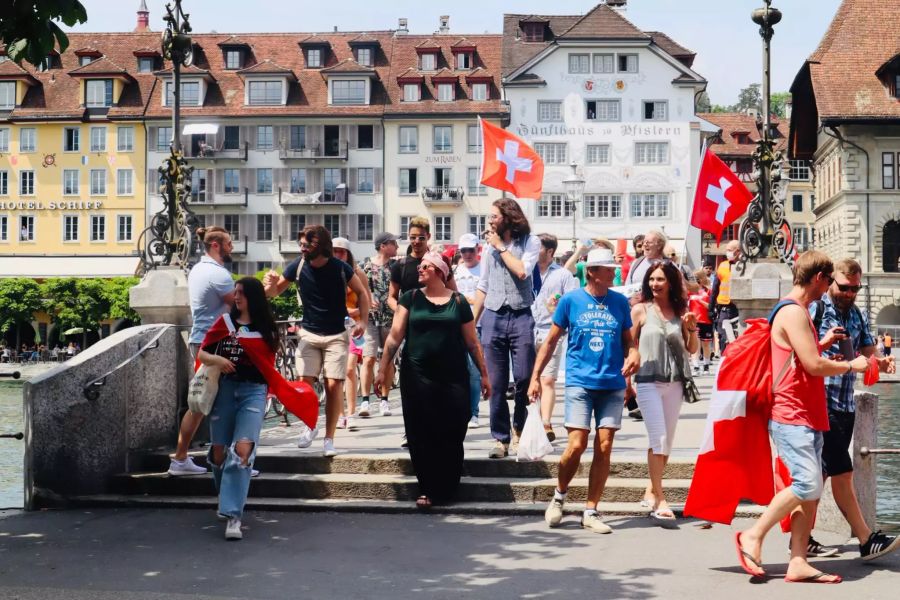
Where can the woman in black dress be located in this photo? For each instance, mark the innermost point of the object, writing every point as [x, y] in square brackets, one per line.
[439, 329]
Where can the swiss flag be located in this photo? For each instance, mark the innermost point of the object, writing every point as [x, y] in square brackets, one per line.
[735, 460]
[721, 198]
[509, 164]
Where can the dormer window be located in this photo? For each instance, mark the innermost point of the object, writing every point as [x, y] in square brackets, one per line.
[365, 56]
[428, 61]
[7, 95]
[314, 58]
[85, 60]
[348, 91]
[98, 93]
[446, 92]
[146, 64]
[265, 93]
[464, 61]
[411, 92]
[479, 91]
[742, 137]
[190, 94]
[533, 32]
[234, 59]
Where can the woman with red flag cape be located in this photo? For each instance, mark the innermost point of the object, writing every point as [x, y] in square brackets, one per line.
[241, 344]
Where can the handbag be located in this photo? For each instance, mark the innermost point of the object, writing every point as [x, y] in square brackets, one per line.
[691, 393]
[203, 389]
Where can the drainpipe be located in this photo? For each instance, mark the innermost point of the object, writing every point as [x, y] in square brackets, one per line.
[384, 226]
[837, 135]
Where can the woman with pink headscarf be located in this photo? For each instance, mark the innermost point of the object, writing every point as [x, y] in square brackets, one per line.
[439, 329]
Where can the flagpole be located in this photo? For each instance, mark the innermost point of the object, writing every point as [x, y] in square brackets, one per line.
[690, 215]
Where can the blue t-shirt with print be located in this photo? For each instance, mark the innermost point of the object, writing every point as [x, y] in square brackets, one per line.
[594, 358]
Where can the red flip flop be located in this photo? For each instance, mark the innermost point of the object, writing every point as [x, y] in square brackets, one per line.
[817, 578]
[744, 558]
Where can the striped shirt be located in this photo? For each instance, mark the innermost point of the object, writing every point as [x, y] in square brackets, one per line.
[839, 388]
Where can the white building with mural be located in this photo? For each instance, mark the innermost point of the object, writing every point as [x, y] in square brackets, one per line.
[618, 102]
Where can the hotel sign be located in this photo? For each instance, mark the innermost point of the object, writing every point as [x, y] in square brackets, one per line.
[71, 205]
[625, 130]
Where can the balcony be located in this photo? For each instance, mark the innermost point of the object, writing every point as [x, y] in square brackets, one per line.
[208, 152]
[443, 195]
[337, 197]
[240, 246]
[288, 247]
[315, 152]
[208, 198]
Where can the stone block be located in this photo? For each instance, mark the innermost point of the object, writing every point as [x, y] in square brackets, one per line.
[162, 297]
[74, 444]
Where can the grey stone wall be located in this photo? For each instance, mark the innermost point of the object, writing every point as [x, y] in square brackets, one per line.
[74, 444]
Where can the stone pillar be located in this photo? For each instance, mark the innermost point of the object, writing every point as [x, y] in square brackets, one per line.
[162, 297]
[865, 434]
[760, 287]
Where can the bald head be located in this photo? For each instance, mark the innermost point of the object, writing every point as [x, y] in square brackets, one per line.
[733, 250]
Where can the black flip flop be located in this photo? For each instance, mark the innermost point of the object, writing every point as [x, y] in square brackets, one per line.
[817, 578]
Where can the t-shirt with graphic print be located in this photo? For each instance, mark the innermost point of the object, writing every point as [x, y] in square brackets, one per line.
[594, 357]
[230, 348]
[379, 277]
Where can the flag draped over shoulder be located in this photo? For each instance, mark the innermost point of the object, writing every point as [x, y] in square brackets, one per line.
[735, 460]
[509, 164]
[721, 197]
[296, 396]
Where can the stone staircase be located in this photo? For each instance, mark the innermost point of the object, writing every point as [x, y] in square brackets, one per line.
[371, 474]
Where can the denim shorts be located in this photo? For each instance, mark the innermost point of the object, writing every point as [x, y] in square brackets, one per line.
[800, 449]
[606, 406]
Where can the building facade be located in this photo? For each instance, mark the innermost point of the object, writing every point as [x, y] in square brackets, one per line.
[846, 121]
[72, 159]
[618, 102]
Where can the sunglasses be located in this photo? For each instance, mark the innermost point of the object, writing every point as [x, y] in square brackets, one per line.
[307, 245]
[417, 238]
[844, 287]
[466, 250]
[425, 267]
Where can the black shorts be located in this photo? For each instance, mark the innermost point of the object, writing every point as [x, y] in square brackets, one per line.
[705, 331]
[836, 449]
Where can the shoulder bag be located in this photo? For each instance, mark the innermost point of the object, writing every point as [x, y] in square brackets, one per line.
[691, 393]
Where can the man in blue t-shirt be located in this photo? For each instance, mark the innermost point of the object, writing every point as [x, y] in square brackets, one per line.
[600, 355]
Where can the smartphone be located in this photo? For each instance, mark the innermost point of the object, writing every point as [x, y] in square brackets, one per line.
[846, 344]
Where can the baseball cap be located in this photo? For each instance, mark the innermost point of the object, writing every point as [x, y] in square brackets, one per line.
[468, 240]
[383, 238]
[341, 242]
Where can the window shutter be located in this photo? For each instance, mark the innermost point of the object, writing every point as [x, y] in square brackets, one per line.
[315, 219]
[219, 178]
[210, 184]
[343, 175]
[244, 182]
[352, 229]
[250, 136]
[153, 182]
[377, 225]
[342, 138]
[353, 183]
[281, 179]
[152, 133]
[186, 145]
[251, 181]
[313, 181]
[377, 137]
[218, 220]
[354, 137]
[379, 175]
[314, 134]
[218, 140]
[345, 226]
[281, 133]
[277, 221]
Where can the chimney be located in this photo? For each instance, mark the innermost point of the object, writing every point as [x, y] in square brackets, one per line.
[143, 18]
[752, 112]
[788, 107]
[617, 5]
[335, 29]
[445, 24]
[402, 26]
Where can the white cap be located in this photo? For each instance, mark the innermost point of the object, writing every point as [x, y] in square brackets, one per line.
[340, 242]
[600, 257]
[468, 240]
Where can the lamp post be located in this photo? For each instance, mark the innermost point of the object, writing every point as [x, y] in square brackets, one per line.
[574, 187]
[170, 238]
[765, 224]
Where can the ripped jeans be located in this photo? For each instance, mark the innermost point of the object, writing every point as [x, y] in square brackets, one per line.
[236, 416]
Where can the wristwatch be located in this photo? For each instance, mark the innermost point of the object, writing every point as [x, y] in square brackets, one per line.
[502, 250]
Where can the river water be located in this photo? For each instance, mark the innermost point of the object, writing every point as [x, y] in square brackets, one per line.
[11, 451]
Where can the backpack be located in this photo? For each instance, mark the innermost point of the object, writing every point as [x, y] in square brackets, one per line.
[747, 363]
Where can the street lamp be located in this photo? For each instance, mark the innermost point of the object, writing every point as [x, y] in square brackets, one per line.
[574, 186]
[765, 224]
[170, 238]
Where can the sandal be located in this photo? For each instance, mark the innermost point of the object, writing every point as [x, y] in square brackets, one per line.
[748, 563]
[817, 578]
[423, 502]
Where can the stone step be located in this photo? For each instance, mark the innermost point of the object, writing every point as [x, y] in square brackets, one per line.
[277, 460]
[626, 509]
[391, 487]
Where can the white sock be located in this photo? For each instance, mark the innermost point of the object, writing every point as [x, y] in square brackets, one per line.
[558, 495]
[590, 511]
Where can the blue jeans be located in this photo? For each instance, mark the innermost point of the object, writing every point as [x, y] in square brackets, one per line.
[508, 333]
[236, 416]
[474, 385]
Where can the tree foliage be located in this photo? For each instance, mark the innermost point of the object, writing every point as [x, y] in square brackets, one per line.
[703, 103]
[28, 27]
[778, 104]
[749, 97]
[20, 298]
[76, 302]
[284, 306]
[115, 291]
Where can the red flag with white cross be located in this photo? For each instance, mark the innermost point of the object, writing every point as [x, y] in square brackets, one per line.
[509, 164]
[721, 197]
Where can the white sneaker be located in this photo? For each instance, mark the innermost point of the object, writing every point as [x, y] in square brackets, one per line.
[351, 422]
[307, 437]
[474, 424]
[328, 446]
[254, 473]
[554, 513]
[364, 409]
[593, 522]
[233, 530]
[185, 467]
[342, 422]
[385, 408]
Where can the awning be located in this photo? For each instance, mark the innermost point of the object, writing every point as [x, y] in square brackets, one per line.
[200, 128]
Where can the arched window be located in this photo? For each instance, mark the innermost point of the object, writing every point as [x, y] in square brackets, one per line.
[890, 246]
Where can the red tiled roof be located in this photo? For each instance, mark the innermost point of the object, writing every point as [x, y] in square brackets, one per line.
[88, 51]
[147, 51]
[603, 22]
[685, 56]
[348, 66]
[516, 51]
[410, 75]
[733, 123]
[364, 39]
[445, 75]
[102, 66]
[478, 75]
[233, 42]
[10, 70]
[861, 38]
[314, 40]
[428, 44]
[267, 67]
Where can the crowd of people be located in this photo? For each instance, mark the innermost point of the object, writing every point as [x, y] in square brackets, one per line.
[498, 317]
[38, 352]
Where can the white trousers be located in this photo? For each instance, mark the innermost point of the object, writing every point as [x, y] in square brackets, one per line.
[660, 404]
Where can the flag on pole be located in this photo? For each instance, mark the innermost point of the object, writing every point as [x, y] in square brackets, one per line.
[509, 164]
[721, 197]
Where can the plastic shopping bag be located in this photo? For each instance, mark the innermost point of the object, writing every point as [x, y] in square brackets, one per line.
[203, 389]
[533, 445]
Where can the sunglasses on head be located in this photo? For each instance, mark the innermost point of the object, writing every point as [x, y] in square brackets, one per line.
[846, 287]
